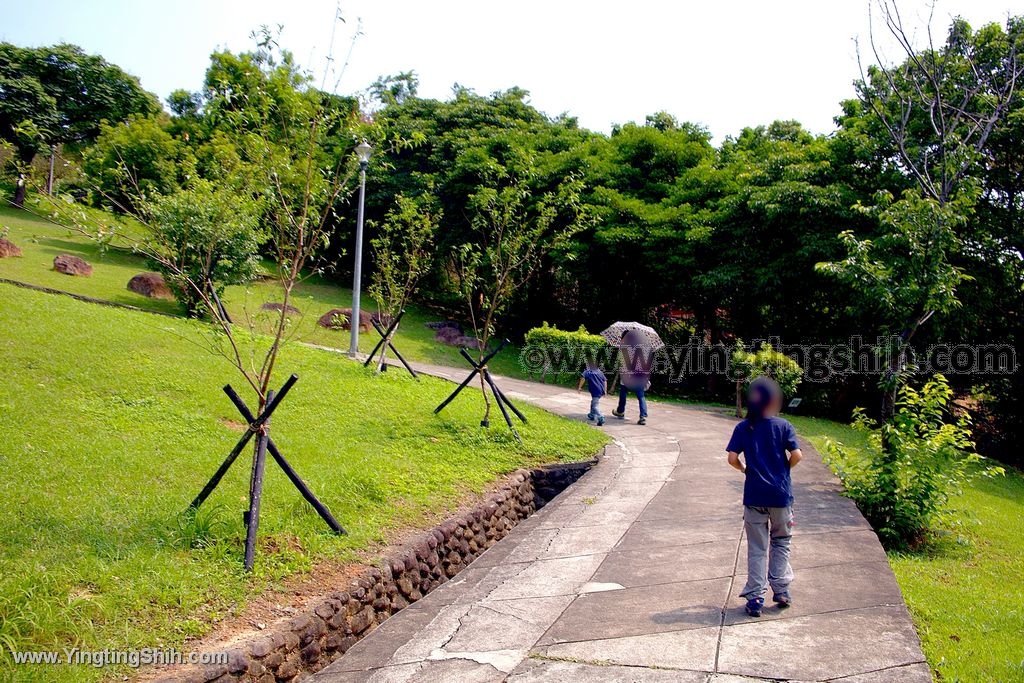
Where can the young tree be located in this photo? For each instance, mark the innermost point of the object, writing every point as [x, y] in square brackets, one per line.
[933, 115]
[291, 168]
[402, 254]
[513, 233]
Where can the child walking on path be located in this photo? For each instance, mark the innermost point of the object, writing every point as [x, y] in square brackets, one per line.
[598, 385]
[764, 441]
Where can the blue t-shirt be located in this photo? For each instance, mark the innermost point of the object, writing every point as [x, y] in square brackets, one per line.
[595, 381]
[764, 447]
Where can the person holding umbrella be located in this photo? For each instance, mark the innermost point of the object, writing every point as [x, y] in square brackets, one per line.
[637, 343]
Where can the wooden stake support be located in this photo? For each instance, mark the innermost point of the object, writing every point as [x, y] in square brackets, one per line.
[502, 401]
[386, 343]
[259, 426]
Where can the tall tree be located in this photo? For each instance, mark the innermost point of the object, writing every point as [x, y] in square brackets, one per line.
[935, 112]
[61, 95]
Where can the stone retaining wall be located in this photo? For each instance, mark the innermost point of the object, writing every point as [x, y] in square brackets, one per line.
[311, 640]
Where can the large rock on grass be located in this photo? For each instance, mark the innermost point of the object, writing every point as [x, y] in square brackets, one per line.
[151, 285]
[71, 265]
[341, 319]
[8, 248]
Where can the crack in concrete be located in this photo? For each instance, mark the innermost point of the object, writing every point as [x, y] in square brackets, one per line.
[875, 671]
[728, 596]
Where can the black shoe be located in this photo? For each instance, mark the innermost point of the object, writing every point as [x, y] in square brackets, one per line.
[782, 600]
[619, 414]
[642, 421]
[754, 606]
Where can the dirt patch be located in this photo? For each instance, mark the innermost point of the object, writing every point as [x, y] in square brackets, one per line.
[233, 425]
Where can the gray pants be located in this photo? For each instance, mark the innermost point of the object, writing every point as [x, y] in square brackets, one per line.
[769, 531]
[595, 407]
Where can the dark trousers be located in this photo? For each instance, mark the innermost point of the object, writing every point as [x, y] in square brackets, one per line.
[641, 399]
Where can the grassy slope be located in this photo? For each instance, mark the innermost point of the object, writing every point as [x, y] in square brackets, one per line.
[112, 420]
[965, 594]
[40, 241]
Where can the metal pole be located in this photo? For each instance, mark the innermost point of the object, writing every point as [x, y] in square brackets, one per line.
[357, 273]
[49, 180]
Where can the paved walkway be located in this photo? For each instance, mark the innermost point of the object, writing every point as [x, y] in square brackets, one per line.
[633, 574]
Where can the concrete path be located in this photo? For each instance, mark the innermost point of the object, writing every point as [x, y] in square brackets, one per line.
[633, 574]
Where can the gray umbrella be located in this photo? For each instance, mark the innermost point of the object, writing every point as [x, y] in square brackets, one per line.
[647, 336]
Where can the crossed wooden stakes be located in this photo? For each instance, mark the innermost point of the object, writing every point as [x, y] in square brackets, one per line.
[260, 428]
[385, 343]
[499, 396]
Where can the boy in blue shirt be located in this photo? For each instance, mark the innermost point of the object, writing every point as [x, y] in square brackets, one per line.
[598, 385]
[764, 441]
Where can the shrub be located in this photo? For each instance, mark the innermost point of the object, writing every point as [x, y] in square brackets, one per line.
[745, 366]
[561, 351]
[912, 466]
[204, 234]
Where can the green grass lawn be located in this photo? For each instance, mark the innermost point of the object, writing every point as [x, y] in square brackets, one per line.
[41, 240]
[965, 591]
[112, 420]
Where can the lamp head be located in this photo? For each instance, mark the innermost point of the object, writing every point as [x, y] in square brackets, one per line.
[363, 151]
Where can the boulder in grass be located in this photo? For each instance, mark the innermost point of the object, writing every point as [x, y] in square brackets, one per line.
[272, 306]
[151, 285]
[71, 265]
[8, 248]
[454, 337]
[340, 319]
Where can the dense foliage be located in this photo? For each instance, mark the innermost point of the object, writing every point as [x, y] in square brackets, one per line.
[547, 349]
[60, 95]
[746, 365]
[207, 237]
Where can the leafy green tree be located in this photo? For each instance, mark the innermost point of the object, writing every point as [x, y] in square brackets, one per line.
[455, 144]
[203, 238]
[395, 89]
[60, 95]
[133, 161]
[631, 180]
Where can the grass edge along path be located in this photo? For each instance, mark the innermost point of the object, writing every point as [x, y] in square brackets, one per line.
[111, 421]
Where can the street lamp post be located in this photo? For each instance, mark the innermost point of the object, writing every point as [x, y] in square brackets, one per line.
[363, 151]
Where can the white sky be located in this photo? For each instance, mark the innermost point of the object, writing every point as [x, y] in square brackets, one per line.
[725, 64]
